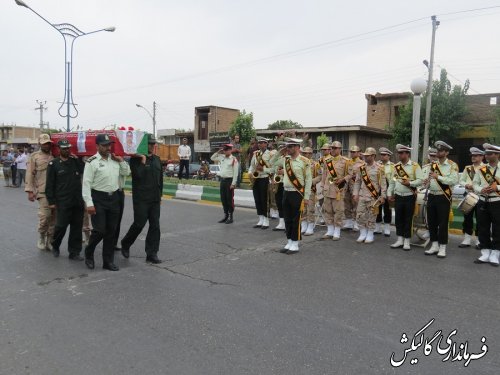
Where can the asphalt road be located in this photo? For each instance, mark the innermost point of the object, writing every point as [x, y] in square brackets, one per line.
[226, 302]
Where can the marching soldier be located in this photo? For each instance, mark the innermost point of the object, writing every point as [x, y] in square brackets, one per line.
[487, 184]
[272, 189]
[403, 192]
[297, 181]
[310, 209]
[276, 163]
[334, 182]
[326, 151]
[440, 179]
[466, 179]
[431, 157]
[100, 193]
[385, 161]
[147, 190]
[64, 195]
[36, 177]
[369, 194]
[349, 204]
[259, 173]
[229, 170]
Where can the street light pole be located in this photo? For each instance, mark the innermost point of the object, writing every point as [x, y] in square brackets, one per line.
[153, 116]
[69, 33]
[430, 67]
[418, 86]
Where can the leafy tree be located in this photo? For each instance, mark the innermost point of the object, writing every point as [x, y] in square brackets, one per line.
[243, 126]
[321, 140]
[494, 138]
[284, 124]
[447, 113]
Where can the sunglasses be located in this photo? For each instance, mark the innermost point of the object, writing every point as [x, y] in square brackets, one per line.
[290, 146]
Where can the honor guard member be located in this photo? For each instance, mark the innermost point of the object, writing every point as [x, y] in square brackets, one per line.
[326, 151]
[297, 182]
[431, 156]
[385, 161]
[64, 195]
[442, 175]
[466, 179]
[272, 188]
[259, 175]
[229, 170]
[403, 192]
[147, 190]
[310, 210]
[487, 184]
[349, 204]
[369, 193]
[276, 163]
[121, 200]
[36, 177]
[334, 182]
[100, 193]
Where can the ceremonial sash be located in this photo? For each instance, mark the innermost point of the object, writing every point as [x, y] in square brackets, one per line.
[368, 182]
[403, 175]
[471, 172]
[260, 160]
[291, 176]
[333, 172]
[488, 177]
[445, 188]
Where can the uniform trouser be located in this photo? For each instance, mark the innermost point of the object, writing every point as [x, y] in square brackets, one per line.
[184, 164]
[349, 206]
[488, 224]
[72, 216]
[333, 211]
[404, 208]
[227, 195]
[292, 201]
[310, 209]
[468, 223]
[260, 195]
[279, 199]
[6, 175]
[46, 217]
[272, 196]
[145, 212]
[364, 214]
[13, 169]
[438, 215]
[386, 211]
[121, 195]
[104, 224]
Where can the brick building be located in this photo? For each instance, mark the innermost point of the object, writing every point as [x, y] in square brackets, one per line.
[383, 109]
[13, 136]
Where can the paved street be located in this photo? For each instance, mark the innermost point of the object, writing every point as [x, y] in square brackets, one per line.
[226, 302]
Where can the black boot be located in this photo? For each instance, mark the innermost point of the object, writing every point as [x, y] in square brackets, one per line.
[229, 219]
[226, 215]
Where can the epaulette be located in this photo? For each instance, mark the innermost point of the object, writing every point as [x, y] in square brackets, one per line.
[303, 158]
[344, 158]
[89, 160]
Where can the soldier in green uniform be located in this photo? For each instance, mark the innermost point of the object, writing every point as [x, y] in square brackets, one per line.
[64, 195]
[147, 190]
[229, 169]
[100, 193]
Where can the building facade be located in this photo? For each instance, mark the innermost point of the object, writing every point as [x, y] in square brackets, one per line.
[12, 136]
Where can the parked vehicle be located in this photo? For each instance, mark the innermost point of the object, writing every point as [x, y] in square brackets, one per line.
[215, 171]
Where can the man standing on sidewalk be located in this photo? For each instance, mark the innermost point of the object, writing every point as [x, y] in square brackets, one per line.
[229, 168]
[64, 195]
[21, 165]
[184, 153]
[147, 190]
[7, 161]
[36, 179]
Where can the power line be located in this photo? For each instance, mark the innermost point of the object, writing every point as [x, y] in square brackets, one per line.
[468, 10]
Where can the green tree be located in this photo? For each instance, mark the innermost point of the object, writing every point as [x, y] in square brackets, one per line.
[447, 113]
[243, 126]
[284, 124]
[321, 140]
[494, 138]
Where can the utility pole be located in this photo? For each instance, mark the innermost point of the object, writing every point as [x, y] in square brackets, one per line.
[41, 108]
[430, 67]
[154, 119]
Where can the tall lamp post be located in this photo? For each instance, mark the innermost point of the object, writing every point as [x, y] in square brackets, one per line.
[153, 116]
[418, 86]
[69, 33]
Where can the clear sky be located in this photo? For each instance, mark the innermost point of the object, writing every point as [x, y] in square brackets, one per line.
[184, 54]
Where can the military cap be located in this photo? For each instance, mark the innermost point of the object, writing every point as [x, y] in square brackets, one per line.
[336, 144]
[354, 149]
[476, 151]
[384, 151]
[152, 140]
[262, 139]
[293, 141]
[44, 138]
[103, 139]
[491, 149]
[440, 145]
[432, 151]
[369, 151]
[64, 143]
[402, 148]
[227, 146]
[326, 146]
[307, 150]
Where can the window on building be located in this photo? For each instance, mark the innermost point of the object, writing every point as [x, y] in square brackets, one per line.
[493, 100]
[396, 112]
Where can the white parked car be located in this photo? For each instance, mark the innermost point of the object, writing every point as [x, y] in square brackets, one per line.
[215, 170]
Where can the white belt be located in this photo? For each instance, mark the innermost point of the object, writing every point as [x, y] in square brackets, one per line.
[490, 199]
[290, 189]
[436, 193]
[404, 194]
